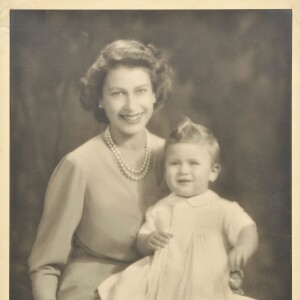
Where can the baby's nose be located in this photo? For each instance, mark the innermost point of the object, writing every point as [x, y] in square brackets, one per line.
[184, 169]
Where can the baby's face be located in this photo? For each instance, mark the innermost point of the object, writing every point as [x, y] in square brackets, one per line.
[189, 169]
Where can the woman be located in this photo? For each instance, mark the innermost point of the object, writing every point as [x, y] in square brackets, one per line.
[98, 194]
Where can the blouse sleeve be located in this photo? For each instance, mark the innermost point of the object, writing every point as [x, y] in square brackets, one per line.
[62, 213]
[235, 219]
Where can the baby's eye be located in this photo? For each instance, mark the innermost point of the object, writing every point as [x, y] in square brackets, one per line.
[173, 163]
[195, 163]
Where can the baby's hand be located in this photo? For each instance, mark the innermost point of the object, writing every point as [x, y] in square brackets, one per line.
[238, 258]
[158, 239]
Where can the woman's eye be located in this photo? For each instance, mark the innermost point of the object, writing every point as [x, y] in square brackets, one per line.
[116, 93]
[194, 163]
[173, 163]
[141, 91]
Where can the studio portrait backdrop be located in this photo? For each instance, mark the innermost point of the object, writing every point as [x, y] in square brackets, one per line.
[232, 74]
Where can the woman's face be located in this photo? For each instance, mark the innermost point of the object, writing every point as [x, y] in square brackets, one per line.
[128, 99]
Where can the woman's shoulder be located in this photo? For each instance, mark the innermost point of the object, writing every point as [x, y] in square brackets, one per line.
[156, 141]
[91, 149]
[93, 143]
[87, 150]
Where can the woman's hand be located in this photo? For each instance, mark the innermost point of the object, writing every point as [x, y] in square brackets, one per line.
[158, 239]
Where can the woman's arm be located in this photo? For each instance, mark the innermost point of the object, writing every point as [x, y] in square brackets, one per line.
[61, 216]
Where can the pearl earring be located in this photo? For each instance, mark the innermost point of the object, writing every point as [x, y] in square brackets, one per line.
[100, 106]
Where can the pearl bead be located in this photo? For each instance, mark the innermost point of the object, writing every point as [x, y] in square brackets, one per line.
[125, 169]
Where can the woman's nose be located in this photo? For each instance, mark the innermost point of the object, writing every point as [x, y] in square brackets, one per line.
[130, 102]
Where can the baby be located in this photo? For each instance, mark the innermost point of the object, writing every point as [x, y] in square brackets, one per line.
[192, 238]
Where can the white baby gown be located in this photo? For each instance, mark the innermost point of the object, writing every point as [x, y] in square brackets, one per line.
[194, 265]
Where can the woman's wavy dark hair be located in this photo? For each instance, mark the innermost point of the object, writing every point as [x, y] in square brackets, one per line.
[124, 53]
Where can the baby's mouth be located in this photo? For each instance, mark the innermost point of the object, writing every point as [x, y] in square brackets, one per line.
[183, 180]
[132, 118]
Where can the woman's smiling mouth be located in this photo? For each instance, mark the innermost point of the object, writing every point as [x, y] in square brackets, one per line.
[132, 118]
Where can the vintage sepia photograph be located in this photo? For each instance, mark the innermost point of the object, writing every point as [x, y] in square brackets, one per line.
[150, 154]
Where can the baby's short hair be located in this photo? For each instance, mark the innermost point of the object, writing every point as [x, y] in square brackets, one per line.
[192, 133]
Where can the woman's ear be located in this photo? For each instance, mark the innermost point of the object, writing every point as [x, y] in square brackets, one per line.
[214, 173]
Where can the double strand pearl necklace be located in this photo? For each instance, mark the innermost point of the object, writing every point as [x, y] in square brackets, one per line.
[130, 173]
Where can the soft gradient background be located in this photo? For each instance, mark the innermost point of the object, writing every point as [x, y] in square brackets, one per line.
[233, 74]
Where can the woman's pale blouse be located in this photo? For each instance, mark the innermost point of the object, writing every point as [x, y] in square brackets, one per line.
[91, 204]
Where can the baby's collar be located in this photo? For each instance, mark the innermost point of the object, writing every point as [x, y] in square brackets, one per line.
[207, 197]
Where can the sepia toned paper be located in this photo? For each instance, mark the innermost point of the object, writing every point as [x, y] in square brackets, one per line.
[6, 6]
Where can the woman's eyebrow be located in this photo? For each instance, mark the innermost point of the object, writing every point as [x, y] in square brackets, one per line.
[123, 89]
[116, 88]
[143, 85]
